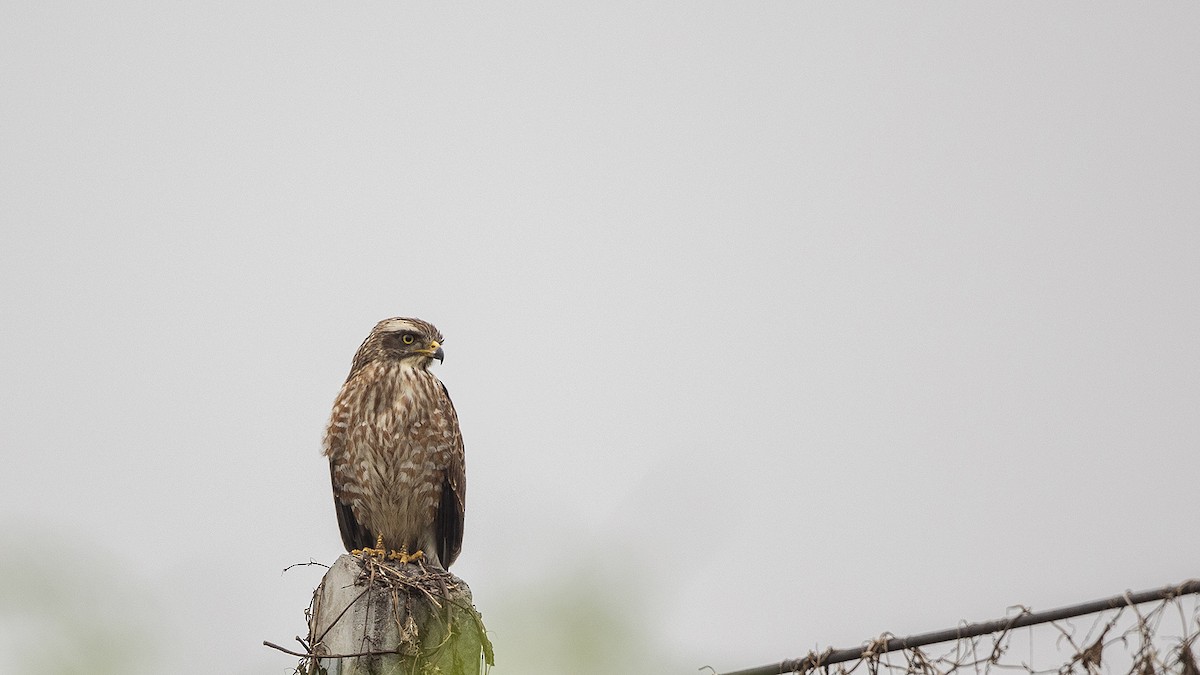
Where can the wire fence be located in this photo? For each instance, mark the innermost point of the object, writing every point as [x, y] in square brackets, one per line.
[1148, 633]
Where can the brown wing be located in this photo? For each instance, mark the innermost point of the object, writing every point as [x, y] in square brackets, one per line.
[453, 505]
[354, 535]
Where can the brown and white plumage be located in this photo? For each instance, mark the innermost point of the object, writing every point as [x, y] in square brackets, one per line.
[395, 450]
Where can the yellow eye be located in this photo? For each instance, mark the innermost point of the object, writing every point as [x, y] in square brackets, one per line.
[408, 339]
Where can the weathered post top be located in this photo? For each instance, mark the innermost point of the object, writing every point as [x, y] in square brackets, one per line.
[375, 617]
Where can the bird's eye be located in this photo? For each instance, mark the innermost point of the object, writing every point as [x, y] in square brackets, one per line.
[408, 339]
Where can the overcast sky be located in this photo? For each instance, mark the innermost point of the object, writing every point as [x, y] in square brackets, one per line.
[770, 325]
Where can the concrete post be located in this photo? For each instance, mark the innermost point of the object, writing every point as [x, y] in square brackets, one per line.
[373, 617]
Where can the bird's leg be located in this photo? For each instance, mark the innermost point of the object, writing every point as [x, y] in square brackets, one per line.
[403, 557]
[378, 551]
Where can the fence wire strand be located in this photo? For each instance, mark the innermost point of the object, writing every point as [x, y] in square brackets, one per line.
[1147, 633]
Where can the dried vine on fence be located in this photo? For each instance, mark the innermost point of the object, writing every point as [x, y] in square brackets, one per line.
[1148, 633]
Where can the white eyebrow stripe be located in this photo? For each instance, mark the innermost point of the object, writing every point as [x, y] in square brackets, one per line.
[399, 325]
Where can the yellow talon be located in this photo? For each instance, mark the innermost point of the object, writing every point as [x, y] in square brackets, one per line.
[403, 557]
[378, 551]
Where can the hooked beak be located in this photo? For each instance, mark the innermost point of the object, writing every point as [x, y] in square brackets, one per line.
[435, 351]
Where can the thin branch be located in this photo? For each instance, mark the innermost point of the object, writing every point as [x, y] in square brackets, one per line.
[310, 563]
[342, 613]
[382, 652]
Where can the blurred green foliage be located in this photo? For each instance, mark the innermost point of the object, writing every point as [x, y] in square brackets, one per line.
[63, 613]
[592, 620]
[67, 612]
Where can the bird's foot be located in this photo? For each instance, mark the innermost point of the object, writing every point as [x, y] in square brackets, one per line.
[379, 551]
[403, 557]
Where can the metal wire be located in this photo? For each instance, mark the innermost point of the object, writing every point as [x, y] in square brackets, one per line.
[968, 653]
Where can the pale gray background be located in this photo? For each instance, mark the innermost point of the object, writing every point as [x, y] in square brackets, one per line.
[771, 326]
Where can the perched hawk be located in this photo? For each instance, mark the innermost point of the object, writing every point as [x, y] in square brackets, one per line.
[395, 451]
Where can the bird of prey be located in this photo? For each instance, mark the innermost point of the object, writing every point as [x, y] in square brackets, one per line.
[395, 450]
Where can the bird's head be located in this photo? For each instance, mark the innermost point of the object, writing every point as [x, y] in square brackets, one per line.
[413, 341]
